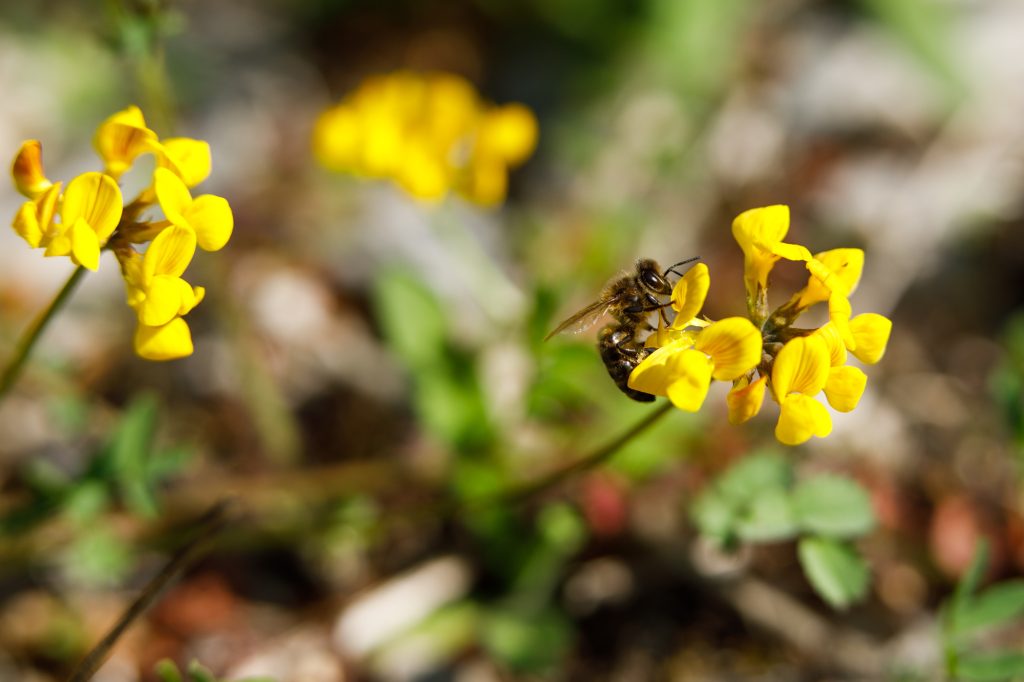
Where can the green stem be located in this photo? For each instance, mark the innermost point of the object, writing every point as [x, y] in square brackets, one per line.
[585, 463]
[207, 528]
[32, 334]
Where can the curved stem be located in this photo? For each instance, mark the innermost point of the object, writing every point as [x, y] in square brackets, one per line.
[17, 362]
[585, 463]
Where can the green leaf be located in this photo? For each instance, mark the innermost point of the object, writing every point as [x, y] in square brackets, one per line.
[833, 506]
[167, 671]
[991, 667]
[835, 570]
[715, 516]
[527, 642]
[968, 583]
[996, 605]
[411, 319]
[753, 475]
[769, 517]
[131, 449]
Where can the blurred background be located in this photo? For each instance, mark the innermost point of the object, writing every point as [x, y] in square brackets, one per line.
[367, 365]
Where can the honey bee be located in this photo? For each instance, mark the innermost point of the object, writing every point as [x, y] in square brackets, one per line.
[629, 300]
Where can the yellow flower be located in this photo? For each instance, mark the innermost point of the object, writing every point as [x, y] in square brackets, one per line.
[430, 134]
[121, 139]
[27, 170]
[90, 212]
[724, 351]
[801, 371]
[759, 232]
[208, 216]
[160, 296]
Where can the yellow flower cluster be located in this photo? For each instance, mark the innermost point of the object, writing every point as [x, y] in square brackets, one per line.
[764, 351]
[89, 215]
[428, 133]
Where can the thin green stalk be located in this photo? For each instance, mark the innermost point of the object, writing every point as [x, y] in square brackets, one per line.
[28, 341]
[585, 463]
[207, 527]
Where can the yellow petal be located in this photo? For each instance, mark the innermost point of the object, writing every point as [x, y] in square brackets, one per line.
[766, 225]
[734, 345]
[871, 332]
[121, 138]
[689, 293]
[168, 254]
[845, 386]
[838, 269]
[508, 133]
[452, 109]
[85, 247]
[790, 251]
[659, 369]
[690, 388]
[800, 418]
[96, 199]
[212, 220]
[198, 294]
[173, 195]
[839, 312]
[163, 300]
[187, 158]
[27, 170]
[745, 399]
[167, 342]
[829, 333]
[801, 367]
[59, 243]
[26, 224]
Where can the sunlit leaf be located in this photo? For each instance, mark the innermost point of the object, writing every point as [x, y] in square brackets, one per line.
[835, 570]
[833, 506]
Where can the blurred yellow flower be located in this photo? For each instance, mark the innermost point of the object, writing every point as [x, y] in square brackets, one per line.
[90, 215]
[430, 134]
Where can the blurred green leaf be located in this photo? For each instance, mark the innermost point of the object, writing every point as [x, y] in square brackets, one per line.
[97, 557]
[968, 584]
[715, 516]
[835, 570]
[528, 643]
[753, 475]
[991, 667]
[833, 506]
[86, 500]
[561, 527]
[131, 449]
[768, 517]
[411, 319]
[998, 604]
[167, 671]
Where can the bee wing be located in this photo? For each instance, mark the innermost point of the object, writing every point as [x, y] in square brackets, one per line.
[582, 320]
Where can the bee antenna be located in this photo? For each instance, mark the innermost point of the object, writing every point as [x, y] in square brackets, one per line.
[672, 268]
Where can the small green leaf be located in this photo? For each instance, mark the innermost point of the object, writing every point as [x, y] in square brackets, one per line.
[835, 570]
[996, 605]
[199, 673]
[130, 452]
[969, 582]
[753, 475]
[991, 667]
[411, 318]
[833, 506]
[715, 516]
[533, 642]
[167, 671]
[769, 517]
